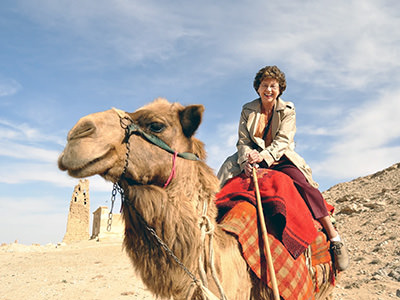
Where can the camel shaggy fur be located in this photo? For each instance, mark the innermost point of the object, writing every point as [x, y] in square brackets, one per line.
[97, 145]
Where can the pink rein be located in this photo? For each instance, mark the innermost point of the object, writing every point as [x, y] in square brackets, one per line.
[171, 176]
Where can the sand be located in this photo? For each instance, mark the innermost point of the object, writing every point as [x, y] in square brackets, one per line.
[84, 270]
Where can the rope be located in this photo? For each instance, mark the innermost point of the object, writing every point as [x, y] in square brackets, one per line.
[191, 291]
[212, 266]
[307, 255]
[207, 228]
[202, 271]
[172, 174]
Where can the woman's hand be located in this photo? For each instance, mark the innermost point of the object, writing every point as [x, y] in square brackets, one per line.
[248, 169]
[253, 158]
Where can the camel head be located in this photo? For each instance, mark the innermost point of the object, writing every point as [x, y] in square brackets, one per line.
[97, 143]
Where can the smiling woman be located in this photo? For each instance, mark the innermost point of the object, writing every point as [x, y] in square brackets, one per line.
[267, 128]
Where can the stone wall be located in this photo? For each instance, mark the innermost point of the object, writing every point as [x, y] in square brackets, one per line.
[79, 214]
[100, 221]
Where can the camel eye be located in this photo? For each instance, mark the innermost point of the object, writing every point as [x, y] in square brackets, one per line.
[156, 127]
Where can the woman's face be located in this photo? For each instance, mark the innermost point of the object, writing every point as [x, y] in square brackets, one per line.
[268, 91]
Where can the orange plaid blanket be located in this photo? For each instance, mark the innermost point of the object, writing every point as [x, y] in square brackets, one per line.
[293, 278]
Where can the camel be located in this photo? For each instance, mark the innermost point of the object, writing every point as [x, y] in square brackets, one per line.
[99, 144]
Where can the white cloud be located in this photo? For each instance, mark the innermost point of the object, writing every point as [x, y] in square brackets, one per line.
[347, 45]
[221, 144]
[374, 123]
[98, 184]
[26, 133]
[133, 31]
[354, 163]
[25, 152]
[331, 45]
[33, 220]
[367, 140]
[8, 86]
[20, 172]
[26, 155]
[321, 131]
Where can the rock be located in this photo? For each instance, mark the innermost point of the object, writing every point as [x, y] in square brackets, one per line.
[378, 206]
[352, 208]
[395, 274]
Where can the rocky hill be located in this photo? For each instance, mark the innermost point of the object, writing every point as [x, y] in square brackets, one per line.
[368, 217]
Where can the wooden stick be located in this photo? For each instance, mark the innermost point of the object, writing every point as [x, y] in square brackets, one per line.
[270, 264]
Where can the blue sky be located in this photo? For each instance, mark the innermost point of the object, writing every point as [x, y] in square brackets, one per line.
[61, 60]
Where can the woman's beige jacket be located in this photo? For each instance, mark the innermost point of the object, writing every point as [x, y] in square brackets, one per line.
[283, 129]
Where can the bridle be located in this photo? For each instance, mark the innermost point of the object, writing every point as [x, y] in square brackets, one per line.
[135, 129]
[131, 128]
[205, 225]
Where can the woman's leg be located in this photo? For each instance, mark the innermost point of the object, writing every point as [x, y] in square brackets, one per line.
[328, 226]
[311, 195]
[316, 203]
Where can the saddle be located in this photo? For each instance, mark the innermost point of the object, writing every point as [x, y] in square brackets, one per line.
[291, 231]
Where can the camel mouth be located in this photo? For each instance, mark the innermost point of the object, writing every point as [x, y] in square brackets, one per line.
[85, 168]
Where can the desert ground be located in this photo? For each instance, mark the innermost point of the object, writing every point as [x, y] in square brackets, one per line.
[367, 214]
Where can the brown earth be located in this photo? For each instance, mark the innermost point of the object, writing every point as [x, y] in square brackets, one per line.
[367, 214]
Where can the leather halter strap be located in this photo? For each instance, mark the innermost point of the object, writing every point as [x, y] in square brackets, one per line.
[135, 129]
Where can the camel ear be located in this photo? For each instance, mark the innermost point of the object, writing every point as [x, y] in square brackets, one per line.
[190, 118]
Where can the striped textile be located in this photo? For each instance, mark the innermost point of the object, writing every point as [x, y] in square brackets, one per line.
[294, 281]
[320, 249]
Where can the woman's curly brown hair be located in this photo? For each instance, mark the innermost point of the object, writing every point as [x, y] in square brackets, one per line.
[270, 72]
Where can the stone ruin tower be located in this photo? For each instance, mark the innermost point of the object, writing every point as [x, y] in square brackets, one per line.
[79, 214]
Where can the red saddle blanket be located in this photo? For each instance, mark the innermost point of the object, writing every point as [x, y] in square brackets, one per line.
[286, 213]
[292, 275]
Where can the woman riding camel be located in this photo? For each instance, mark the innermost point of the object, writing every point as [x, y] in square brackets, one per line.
[266, 139]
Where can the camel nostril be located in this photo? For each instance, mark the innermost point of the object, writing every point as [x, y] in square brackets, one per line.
[83, 129]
